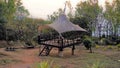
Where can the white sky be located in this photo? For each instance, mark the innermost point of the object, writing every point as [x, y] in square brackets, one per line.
[42, 8]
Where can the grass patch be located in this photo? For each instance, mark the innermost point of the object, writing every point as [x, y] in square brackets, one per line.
[96, 64]
[99, 59]
[3, 55]
[45, 64]
[7, 61]
[118, 46]
[91, 60]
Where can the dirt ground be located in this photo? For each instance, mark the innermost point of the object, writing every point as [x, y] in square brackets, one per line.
[26, 58]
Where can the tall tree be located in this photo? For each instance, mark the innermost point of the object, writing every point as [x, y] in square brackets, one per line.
[11, 10]
[7, 9]
[88, 10]
[112, 13]
[2, 11]
[21, 12]
[54, 15]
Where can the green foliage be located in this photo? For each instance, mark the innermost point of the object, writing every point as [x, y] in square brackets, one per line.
[54, 15]
[88, 9]
[112, 13]
[88, 42]
[21, 12]
[2, 32]
[81, 21]
[97, 46]
[108, 41]
[109, 47]
[2, 13]
[86, 14]
[6, 61]
[97, 65]
[45, 64]
[118, 46]
[103, 41]
[27, 30]
[8, 10]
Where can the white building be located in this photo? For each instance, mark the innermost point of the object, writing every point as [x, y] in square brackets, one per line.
[102, 27]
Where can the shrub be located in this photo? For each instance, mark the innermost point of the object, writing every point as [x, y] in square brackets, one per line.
[96, 40]
[96, 65]
[109, 47]
[45, 64]
[2, 32]
[118, 46]
[97, 46]
[88, 42]
[103, 41]
[106, 41]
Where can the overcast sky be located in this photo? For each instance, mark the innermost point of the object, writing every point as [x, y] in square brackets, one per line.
[42, 8]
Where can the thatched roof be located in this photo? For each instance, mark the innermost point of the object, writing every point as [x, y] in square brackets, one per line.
[62, 24]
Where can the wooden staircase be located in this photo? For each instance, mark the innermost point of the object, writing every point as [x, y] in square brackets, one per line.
[45, 51]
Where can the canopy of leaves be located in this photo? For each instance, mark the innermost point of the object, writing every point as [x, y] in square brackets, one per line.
[86, 14]
[54, 15]
[21, 12]
[112, 13]
[88, 9]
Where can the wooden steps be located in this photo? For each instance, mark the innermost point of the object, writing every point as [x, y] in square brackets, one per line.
[45, 51]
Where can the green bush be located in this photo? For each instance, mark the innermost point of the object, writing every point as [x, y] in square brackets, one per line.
[96, 40]
[106, 41]
[103, 41]
[88, 42]
[2, 32]
[118, 46]
[97, 46]
[96, 65]
[45, 64]
[109, 47]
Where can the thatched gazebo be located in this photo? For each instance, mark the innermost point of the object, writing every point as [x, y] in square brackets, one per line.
[61, 25]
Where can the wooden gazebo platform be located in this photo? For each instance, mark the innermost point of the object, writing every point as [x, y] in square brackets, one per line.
[61, 25]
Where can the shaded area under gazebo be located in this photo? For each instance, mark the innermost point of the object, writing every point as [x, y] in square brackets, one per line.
[61, 40]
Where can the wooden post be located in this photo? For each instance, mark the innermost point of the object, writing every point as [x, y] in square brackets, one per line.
[60, 52]
[73, 48]
[90, 49]
[61, 47]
